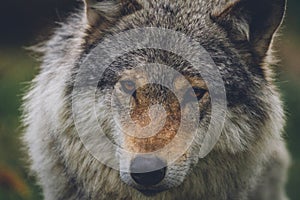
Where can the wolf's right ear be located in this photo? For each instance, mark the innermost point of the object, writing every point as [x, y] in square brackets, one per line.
[106, 11]
[252, 21]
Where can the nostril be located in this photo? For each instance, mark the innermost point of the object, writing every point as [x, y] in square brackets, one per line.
[149, 178]
[148, 171]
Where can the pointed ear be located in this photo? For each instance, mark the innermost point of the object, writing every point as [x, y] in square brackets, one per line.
[106, 11]
[252, 21]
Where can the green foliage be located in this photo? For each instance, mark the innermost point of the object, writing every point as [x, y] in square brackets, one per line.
[291, 94]
[15, 70]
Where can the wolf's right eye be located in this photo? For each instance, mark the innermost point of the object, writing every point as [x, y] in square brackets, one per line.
[193, 94]
[128, 86]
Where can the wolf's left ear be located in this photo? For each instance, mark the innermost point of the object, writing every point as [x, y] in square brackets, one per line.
[253, 21]
[106, 11]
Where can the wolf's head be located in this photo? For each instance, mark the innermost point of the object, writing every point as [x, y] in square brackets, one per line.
[155, 105]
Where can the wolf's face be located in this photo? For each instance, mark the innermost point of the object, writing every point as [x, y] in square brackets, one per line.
[151, 116]
[156, 115]
[142, 109]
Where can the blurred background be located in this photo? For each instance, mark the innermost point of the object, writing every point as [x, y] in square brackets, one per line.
[24, 23]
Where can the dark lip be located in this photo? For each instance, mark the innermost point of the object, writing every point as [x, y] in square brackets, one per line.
[150, 192]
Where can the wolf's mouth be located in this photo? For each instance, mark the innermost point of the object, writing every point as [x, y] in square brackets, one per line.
[150, 192]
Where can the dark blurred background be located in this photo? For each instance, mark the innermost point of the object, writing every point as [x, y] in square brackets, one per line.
[24, 23]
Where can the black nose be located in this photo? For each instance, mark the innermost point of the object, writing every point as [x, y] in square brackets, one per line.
[147, 170]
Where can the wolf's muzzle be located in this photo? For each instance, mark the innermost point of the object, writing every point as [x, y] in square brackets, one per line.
[148, 170]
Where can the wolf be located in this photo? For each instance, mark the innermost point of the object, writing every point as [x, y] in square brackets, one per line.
[248, 160]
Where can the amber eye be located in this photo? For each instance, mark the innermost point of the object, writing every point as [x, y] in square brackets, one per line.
[128, 86]
[194, 93]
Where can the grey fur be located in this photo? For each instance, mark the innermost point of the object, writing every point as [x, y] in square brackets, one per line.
[250, 159]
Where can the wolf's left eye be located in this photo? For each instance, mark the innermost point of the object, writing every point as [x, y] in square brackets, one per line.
[128, 86]
[194, 93]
